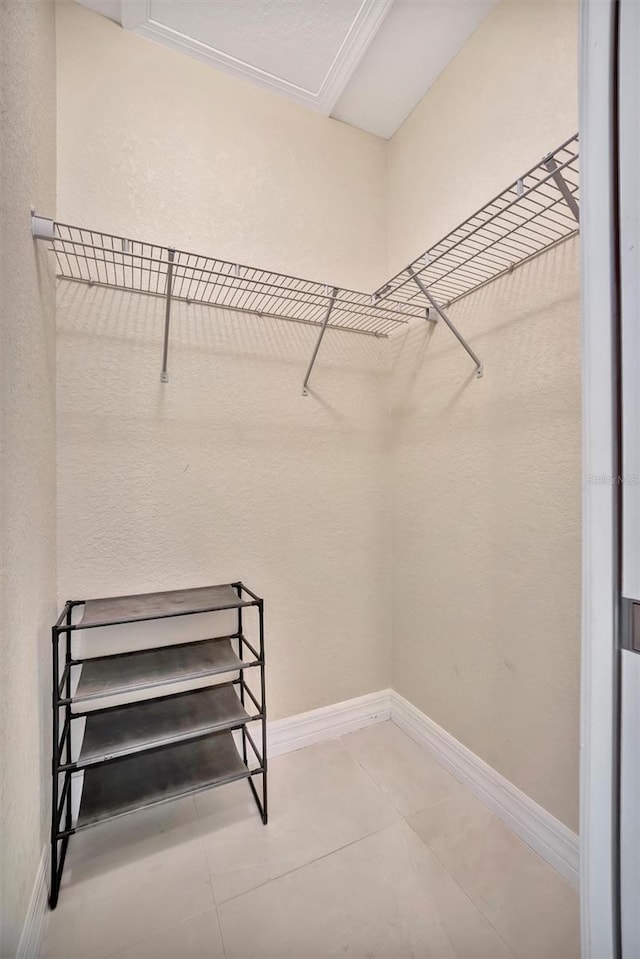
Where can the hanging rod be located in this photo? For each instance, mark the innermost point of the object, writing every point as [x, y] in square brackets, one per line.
[534, 214]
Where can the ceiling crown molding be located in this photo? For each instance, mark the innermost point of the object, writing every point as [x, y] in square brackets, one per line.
[136, 18]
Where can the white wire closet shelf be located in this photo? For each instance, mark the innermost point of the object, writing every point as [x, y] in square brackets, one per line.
[103, 259]
[534, 214]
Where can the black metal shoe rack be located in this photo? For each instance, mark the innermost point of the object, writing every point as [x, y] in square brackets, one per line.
[152, 750]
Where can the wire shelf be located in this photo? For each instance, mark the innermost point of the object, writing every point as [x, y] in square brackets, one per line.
[532, 215]
[535, 213]
[103, 259]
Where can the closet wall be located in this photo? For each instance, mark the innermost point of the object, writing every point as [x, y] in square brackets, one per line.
[487, 480]
[508, 98]
[159, 146]
[225, 472]
[27, 540]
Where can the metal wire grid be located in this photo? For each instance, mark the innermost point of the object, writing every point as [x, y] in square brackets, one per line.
[103, 259]
[532, 215]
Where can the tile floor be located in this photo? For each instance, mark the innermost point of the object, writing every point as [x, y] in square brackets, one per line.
[372, 850]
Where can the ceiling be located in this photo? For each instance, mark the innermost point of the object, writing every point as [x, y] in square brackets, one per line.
[366, 62]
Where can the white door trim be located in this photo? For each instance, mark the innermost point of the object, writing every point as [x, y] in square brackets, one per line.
[598, 765]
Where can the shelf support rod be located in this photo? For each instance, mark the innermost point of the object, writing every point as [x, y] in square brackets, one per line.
[334, 293]
[561, 183]
[164, 376]
[460, 338]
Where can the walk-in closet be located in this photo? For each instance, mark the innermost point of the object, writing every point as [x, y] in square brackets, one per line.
[292, 479]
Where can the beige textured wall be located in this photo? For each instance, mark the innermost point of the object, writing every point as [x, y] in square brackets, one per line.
[159, 146]
[229, 472]
[486, 550]
[225, 472]
[509, 97]
[27, 303]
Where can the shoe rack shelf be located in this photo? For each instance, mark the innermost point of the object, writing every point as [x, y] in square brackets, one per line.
[150, 750]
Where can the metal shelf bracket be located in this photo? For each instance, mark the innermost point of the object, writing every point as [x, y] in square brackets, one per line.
[561, 183]
[460, 338]
[333, 295]
[533, 214]
[164, 376]
[42, 227]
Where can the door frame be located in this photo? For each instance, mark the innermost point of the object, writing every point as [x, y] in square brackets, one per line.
[600, 926]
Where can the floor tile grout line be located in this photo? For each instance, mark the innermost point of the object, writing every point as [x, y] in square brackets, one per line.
[200, 834]
[371, 776]
[224, 948]
[462, 785]
[288, 872]
[158, 932]
[354, 842]
[206, 862]
[488, 806]
[69, 885]
[368, 774]
[467, 895]
[388, 798]
[212, 907]
[405, 818]
[310, 862]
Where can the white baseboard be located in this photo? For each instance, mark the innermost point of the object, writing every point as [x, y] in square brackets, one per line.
[35, 922]
[550, 838]
[284, 735]
[329, 722]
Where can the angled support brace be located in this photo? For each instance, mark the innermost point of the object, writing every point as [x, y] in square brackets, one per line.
[443, 316]
[561, 183]
[333, 295]
[164, 376]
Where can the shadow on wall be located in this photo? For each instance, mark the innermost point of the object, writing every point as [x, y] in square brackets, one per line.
[45, 274]
[112, 340]
[121, 315]
[228, 472]
[487, 526]
[512, 307]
